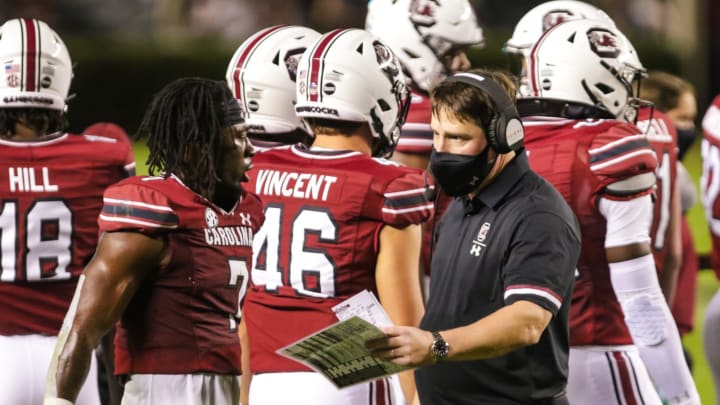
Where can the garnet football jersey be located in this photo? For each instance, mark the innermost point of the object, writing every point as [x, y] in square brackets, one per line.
[51, 197]
[184, 318]
[662, 135]
[581, 158]
[416, 135]
[324, 212]
[710, 180]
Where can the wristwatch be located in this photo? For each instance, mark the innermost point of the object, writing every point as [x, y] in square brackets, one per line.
[439, 349]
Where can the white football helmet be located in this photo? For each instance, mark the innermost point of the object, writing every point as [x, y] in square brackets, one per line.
[36, 66]
[587, 62]
[423, 32]
[538, 20]
[349, 74]
[262, 75]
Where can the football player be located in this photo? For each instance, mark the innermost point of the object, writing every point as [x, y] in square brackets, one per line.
[577, 136]
[534, 23]
[52, 187]
[261, 75]
[430, 39]
[710, 190]
[173, 261]
[339, 219]
[676, 97]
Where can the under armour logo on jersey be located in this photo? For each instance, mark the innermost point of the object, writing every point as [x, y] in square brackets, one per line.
[246, 219]
[479, 241]
[211, 218]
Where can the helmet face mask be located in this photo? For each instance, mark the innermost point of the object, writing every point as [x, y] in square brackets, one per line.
[36, 66]
[262, 75]
[586, 62]
[350, 75]
[425, 34]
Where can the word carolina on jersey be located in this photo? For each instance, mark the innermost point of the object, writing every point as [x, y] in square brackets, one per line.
[292, 184]
[229, 236]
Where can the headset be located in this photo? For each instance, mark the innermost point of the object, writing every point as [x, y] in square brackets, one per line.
[505, 132]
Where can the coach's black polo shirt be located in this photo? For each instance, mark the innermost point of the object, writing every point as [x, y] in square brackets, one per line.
[516, 240]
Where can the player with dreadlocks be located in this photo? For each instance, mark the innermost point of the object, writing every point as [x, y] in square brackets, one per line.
[175, 247]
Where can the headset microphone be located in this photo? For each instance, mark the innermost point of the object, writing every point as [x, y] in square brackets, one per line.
[430, 193]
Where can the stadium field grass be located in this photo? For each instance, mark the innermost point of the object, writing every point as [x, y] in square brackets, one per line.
[707, 283]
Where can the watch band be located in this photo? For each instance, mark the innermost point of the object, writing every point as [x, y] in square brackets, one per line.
[439, 349]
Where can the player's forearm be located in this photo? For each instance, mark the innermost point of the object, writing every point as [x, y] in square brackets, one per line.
[672, 261]
[73, 365]
[506, 330]
[653, 329]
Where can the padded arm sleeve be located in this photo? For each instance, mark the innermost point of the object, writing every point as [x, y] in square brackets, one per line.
[653, 329]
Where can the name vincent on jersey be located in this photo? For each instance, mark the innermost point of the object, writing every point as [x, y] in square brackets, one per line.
[25, 179]
[292, 184]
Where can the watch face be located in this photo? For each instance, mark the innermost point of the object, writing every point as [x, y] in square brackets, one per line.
[441, 348]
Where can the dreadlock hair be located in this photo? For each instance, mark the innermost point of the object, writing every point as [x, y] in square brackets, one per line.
[184, 129]
[42, 121]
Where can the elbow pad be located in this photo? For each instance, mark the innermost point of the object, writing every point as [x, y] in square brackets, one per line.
[653, 329]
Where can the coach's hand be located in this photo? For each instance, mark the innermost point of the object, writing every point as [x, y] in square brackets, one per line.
[403, 345]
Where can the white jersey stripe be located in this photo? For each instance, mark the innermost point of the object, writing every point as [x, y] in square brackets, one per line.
[533, 291]
[135, 222]
[405, 192]
[406, 210]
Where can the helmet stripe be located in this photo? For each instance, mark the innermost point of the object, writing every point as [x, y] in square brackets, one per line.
[32, 43]
[244, 56]
[316, 64]
[534, 75]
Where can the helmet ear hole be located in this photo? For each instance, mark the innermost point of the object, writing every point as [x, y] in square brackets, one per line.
[383, 105]
[604, 88]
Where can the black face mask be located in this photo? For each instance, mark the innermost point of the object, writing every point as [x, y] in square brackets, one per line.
[459, 174]
[685, 139]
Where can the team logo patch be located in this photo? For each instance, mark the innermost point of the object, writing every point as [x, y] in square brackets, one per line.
[13, 80]
[211, 218]
[554, 18]
[482, 233]
[329, 88]
[604, 43]
[478, 244]
[253, 105]
[45, 82]
[422, 12]
[387, 61]
[546, 84]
